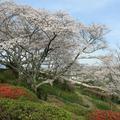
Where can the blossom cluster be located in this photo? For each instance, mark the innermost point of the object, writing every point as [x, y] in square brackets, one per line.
[8, 91]
[104, 115]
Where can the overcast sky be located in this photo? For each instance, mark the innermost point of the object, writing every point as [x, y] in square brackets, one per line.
[87, 11]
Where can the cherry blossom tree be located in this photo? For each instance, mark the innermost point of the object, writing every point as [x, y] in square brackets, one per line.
[112, 63]
[41, 46]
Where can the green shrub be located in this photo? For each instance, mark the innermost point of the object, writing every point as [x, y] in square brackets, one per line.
[26, 110]
[6, 76]
[4, 115]
[42, 94]
[115, 99]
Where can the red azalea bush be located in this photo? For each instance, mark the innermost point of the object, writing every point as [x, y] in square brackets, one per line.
[13, 92]
[104, 115]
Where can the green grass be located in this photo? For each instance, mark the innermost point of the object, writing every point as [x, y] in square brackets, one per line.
[101, 104]
[61, 94]
[76, 109]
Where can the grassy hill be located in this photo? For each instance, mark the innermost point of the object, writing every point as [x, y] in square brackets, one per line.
[57, 102]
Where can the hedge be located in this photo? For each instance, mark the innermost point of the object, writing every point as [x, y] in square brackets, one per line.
[27, 110]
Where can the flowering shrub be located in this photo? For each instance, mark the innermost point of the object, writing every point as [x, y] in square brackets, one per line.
[13, 92]
[104, 115]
